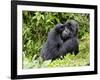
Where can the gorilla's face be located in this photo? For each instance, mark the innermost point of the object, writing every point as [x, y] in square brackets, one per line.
[70, 29]
[66, 34]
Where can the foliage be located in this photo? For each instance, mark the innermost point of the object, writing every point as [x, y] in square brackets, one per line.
[36, 26]
[82, 59]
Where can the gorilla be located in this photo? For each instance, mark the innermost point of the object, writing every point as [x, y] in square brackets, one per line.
[61, 40]
[70, 38]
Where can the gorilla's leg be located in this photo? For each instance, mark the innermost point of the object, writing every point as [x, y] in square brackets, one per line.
[76, 51]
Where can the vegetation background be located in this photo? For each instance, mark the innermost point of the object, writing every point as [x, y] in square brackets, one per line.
[36, 26]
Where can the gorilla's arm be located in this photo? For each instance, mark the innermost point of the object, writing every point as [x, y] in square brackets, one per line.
[70, 46]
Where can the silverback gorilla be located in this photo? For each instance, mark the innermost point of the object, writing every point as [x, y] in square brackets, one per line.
[61, 40]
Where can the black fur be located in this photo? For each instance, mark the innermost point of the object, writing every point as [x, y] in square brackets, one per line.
[71, 30]
[53, 43]
[70, 38]
[61, 40]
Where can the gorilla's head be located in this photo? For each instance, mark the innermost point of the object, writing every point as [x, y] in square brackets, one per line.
[60, 28]
[71, 29]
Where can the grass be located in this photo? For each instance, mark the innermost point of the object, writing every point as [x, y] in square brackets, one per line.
[70, 60]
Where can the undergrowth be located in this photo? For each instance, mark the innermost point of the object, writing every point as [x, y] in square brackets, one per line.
[70, 60]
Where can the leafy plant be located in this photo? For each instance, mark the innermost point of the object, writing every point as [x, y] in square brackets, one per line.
[37, 24]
